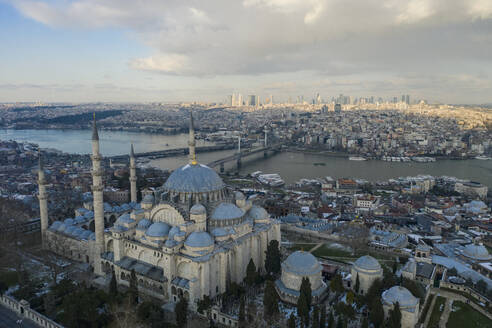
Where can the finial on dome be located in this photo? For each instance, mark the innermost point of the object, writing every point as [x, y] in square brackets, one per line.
[95, 135]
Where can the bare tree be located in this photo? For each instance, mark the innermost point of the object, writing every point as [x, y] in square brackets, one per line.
[124, 314]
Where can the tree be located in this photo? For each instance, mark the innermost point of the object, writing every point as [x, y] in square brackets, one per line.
[316, 320]
[204, 304]
[376, 312]
[151, 314]
[365, 323]
[113, 286]
[357, 284]
[340, 322]
[331, 320]
[394, 318]
[304, 301]
[242, 315]
[291, 323]
[250, 273]
[133, 289]
[272, 259]
[395, 267]
[270, 300]
[181, 311]
[350, 297]
[124, 314]
[322, 318]
[336, 284]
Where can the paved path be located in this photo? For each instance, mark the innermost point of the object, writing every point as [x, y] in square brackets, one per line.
[448, 305]
[431, 307]
[8, 319]
[316, 247]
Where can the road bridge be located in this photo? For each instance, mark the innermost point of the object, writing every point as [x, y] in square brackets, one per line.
[243, 154]
[176, 151]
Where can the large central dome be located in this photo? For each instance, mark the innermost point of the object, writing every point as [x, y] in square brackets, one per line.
[194, 178]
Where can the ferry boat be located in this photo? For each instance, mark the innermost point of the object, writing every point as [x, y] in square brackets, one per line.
[272, 180]
[483, 158]
[357, 158]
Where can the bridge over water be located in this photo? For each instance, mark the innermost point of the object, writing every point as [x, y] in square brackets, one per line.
[176, 151]
[244, 154]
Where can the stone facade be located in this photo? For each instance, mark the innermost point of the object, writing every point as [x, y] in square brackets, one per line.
[367, 269]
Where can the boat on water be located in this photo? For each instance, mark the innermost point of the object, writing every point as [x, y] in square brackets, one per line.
[357, 158]
[272, 180]
[319, 164]
[483, 158]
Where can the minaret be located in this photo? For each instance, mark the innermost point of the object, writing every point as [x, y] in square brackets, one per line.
[97, 195]
[43, 201]
[191, 142]
[133, 177]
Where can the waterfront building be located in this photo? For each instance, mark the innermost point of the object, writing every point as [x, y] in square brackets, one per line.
[473, 189]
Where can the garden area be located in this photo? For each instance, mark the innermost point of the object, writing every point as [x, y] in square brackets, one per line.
[437, 312]
[463, 315]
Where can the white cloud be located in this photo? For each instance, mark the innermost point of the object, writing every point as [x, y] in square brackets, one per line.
[251, 37]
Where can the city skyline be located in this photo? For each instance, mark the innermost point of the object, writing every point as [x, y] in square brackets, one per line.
[83, 51]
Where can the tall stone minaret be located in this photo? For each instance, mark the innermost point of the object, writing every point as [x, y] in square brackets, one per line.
[191, 142]
[97, 195]
[133, 177]
[43, 202]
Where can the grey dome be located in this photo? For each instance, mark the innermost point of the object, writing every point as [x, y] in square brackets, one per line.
[239, 195]
[220, 232]
[194, 178]
[61, 227]
[125, 219]
[70, 229]
[301, 263]
[144, 224]
[55, 225]
[401, 295]
[258, 213]
[367, 262]
[68, 222]
[199, 239]
[174, 231]
[86, 234]
[227, 211]
[158, 229]
[148, 199]
[198, 209]
[477, 252]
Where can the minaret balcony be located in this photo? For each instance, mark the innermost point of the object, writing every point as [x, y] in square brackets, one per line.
[97, 188]
[96, 157]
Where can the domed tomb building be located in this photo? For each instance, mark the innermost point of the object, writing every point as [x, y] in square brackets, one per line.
[409, 305]
[367, 269]
[297, 266]
[192, 237]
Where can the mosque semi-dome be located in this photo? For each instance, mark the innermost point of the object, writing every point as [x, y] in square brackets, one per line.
[198, 209]
[199, 239]
[258, 213]
[158, 229]
[144, 224]
[227, 211]
[301, 263]
[194, 178]
[476, 252]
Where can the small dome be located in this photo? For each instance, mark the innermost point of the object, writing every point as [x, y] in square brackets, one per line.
[199, 239]
[143, 224]
[79, 219]
[70, 229]
[477, 252]
[174, 231]
[239, 195]
[55, 225]
[86, 234]
[125, 219]
[227, 211]
[198, 209]
[194, 178]
[258, 213]
[301, 263]
[61, 227]
[89, 214]
[68, 222]
[78, 232]
[220, 232]
[401, 295]
[148, 199]
[368, 263]
[158, 229]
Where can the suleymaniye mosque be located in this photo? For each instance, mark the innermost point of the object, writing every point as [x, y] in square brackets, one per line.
[190, 238]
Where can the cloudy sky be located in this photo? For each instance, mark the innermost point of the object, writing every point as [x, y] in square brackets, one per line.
[180, 50]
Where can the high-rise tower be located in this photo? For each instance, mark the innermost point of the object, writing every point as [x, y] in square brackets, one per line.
[43, 201]
[191, 142]
[97, 194]
[133, 177]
